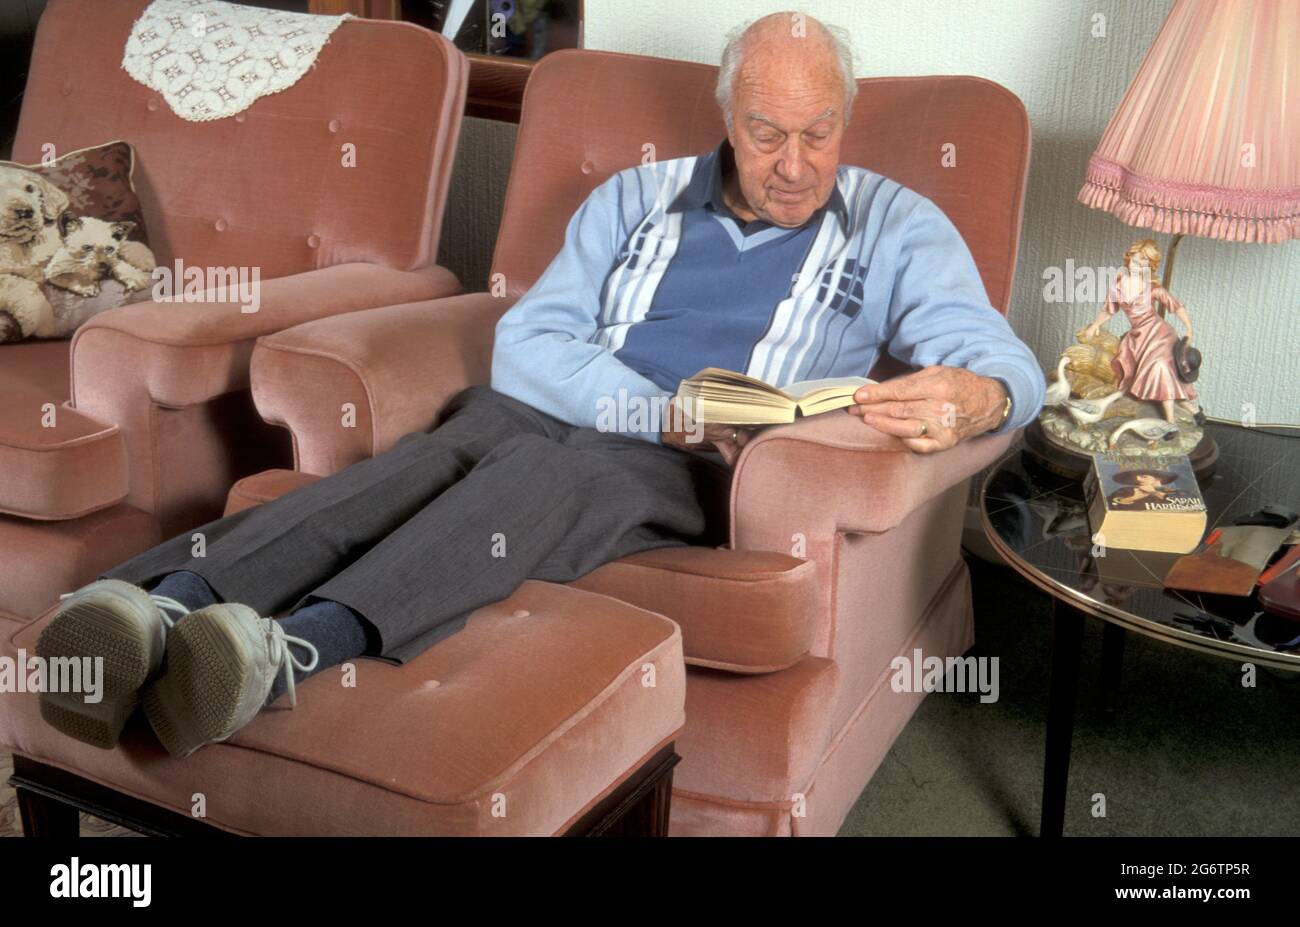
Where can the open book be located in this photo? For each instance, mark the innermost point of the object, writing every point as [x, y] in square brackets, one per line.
[724, 397]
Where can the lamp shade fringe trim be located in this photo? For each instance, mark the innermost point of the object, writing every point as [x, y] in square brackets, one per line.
[1265, 216]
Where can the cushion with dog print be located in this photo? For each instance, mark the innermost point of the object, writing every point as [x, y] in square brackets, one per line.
[72, 241]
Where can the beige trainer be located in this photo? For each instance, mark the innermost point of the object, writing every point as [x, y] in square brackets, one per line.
[125, 626]
[221, 663]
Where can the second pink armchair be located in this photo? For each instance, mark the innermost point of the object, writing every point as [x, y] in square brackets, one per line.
[154, 417]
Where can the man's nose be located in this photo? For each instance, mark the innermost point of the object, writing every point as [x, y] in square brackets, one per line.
[791, 165]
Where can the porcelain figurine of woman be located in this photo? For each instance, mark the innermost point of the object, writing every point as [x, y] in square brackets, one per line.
[1145, 366]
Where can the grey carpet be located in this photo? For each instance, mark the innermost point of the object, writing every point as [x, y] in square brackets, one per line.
[1189, 752]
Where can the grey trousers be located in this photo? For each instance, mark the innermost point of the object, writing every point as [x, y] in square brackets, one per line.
[449, 520]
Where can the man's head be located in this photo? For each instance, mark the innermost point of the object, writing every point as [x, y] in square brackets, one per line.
[786, 88]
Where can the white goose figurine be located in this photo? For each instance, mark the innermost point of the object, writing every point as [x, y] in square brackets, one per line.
[1090, 411]
[1149, 429]
[1058, 390]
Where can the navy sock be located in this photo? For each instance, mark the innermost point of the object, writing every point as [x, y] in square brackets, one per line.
[336, 631]
[190, 589]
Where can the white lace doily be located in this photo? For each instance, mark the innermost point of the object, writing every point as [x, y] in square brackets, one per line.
[210, 60]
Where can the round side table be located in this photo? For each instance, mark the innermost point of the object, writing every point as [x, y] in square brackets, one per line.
[1038, 522]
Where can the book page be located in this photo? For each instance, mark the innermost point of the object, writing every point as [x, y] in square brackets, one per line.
[804, 388]
[730, 378]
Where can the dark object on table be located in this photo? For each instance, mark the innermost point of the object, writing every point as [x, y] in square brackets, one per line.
[1187, 361]
[1233, 558]
[1279, 586]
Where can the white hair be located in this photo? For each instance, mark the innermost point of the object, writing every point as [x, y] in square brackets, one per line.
[733, 53]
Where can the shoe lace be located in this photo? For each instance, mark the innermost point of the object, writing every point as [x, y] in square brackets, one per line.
[168, 604]
[277, 645]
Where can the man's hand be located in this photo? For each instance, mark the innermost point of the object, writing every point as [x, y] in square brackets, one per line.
[934, 408]
[679, 431]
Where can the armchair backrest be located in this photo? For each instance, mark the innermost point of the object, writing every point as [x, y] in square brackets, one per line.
[588, 115]
[270, 187]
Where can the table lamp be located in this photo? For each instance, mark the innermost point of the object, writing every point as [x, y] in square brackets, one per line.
[1206, 142]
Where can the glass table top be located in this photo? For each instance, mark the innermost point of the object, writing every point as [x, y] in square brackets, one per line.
[1038, 521]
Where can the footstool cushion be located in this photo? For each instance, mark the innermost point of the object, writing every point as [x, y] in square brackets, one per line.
[517, 724]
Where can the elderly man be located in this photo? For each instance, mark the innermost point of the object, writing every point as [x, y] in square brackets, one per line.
[765, 256]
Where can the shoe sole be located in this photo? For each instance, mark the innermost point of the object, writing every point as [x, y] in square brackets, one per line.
[196, 700]
[122, 637]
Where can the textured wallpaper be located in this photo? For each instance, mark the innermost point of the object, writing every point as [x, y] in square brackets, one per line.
[478, 190]
[1244, 299]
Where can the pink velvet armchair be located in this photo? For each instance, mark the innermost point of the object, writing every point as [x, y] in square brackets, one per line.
[154, 418]
[844, 545]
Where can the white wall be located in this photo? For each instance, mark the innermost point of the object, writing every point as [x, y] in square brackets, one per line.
[1244, 299]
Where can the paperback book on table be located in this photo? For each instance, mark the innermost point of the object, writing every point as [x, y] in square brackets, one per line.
[1153, 504]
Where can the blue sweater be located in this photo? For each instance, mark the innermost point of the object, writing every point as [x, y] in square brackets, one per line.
[658, 279]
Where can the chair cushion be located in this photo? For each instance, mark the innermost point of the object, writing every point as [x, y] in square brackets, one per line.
[263, 487]
[55, 462]
[744, 611]
[42, 559]
[515, 725]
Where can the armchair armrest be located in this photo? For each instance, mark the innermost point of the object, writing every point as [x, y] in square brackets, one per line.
[807, 488]
[349, 386]
[831, 473]
[135, 365]
[189, 352]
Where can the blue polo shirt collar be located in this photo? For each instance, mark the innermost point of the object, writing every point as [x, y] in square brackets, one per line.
[705, 187]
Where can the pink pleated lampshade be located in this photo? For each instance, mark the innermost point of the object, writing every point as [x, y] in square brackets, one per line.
[1207, 139]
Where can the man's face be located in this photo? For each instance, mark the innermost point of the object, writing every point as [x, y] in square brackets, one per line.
[787, 126]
